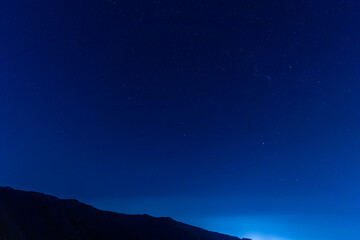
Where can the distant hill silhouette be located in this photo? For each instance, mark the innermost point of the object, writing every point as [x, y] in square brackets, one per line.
[36, 216]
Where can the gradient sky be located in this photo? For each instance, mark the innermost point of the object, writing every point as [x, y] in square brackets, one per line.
[237, 116]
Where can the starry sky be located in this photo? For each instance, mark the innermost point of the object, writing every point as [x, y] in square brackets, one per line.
[236, 116]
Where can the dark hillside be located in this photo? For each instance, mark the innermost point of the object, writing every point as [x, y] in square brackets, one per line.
[36, 216]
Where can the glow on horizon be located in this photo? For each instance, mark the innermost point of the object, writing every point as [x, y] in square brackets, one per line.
[253, 227]
[258, 236]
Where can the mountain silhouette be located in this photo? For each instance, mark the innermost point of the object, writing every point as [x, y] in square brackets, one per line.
[35, 216]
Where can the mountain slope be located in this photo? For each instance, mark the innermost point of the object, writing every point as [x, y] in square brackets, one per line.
[36, 216]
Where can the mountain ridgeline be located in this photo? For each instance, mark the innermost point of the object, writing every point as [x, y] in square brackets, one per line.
[36, 216]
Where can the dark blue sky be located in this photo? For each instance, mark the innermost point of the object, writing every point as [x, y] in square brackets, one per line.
[237, 116]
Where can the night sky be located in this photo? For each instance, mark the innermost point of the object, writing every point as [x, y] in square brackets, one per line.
[237, 116]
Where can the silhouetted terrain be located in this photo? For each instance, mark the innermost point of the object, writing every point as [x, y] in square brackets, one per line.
[36, 216]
